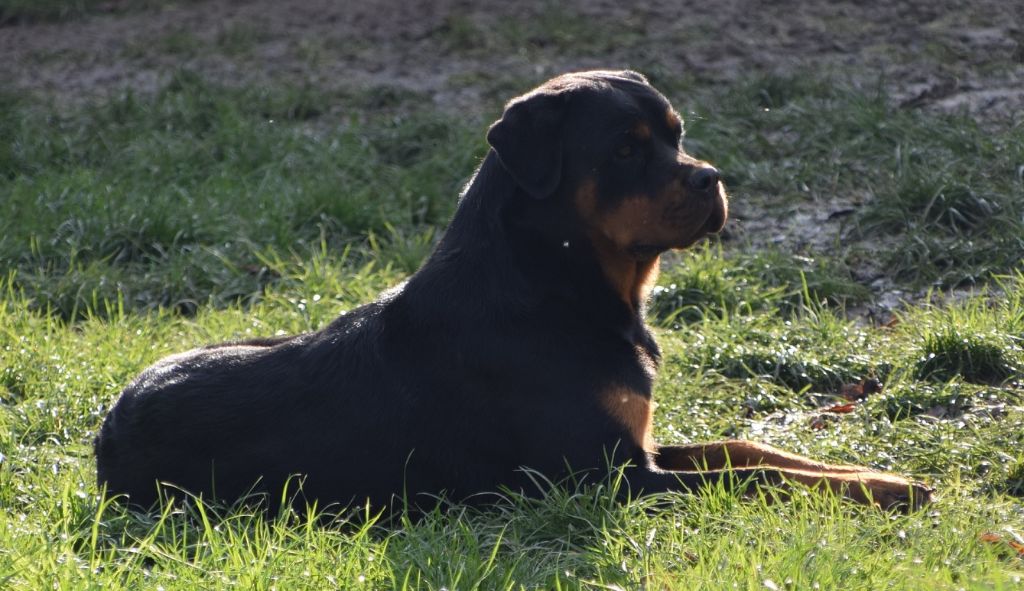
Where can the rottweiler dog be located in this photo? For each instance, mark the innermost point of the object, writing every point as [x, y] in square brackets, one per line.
[519, 347]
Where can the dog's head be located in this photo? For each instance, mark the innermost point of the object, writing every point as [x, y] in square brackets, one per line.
[609, 143]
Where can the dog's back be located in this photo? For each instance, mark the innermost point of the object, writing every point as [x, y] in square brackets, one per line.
[234, 419]
[378, 405]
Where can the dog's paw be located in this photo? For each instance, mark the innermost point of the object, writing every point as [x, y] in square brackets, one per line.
[889, 492]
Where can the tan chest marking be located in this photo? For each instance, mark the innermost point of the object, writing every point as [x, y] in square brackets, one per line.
[612, 233]
[633, 411]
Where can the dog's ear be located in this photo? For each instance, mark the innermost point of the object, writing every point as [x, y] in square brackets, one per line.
[528, 140]
[634, 76]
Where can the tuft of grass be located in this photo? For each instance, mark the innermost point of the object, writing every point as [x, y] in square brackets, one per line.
[460, 34]
[15, 12]
[1014, 482]
[977, 359]
[707, 281]
[18, 11]
[976, 340]
[549, 28]
[238, 38]
[181, 42]
[558, 28]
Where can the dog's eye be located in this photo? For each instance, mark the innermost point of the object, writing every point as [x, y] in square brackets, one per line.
[624, 151]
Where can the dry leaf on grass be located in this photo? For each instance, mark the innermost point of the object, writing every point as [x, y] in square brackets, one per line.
[1014, 544]
[841, 408]
[861, 390]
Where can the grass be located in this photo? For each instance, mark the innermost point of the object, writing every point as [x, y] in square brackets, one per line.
[147, 225]
[59, 378]
[141, 200]
[34, 11]
[942, 189]
[543, 28]
[43, 10]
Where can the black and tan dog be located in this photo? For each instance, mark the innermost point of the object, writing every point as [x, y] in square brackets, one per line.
[520, 343]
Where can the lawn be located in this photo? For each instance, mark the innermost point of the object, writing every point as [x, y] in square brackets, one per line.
[144, 224]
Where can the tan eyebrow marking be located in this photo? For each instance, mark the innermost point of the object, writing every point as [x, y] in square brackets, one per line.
[642, 131]
[673, 120]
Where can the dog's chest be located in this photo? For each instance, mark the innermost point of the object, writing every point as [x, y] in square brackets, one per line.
[633, 411]
[630, 404]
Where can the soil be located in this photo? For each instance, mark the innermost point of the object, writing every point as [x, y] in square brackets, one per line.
[944, 55]
[941, 54]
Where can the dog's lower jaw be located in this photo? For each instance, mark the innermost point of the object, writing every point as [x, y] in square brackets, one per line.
[699, 221]
[646, 252]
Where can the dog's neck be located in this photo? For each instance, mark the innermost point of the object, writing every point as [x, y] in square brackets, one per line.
[618, 283]
[631, 278]
[509, 249]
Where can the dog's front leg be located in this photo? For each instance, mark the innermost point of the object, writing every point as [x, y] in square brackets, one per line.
[887, 491]
[734, 453]
[871, 488]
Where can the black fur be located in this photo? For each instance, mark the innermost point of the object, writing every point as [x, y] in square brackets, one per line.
[490, 359]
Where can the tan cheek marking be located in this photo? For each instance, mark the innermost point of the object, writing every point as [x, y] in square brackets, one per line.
[636, 218]
[612, 234]
[633, 217]
[633, 411]
[641, 219]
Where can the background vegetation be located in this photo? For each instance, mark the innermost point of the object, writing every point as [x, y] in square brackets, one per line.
[144, 223]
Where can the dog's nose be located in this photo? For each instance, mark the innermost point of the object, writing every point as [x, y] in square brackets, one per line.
[704, 179]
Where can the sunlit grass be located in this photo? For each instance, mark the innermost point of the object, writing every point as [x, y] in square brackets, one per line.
[149, 225]
[59, 378]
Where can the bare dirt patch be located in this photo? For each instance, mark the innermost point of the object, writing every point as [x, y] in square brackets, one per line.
[942, 54]
[467, 57]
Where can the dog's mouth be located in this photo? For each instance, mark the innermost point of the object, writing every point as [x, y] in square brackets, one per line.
[683, 220]
[716, 215]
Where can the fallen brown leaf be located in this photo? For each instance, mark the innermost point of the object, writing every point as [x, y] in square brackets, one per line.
[993, 538]
[841, 408]
[861, 390]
